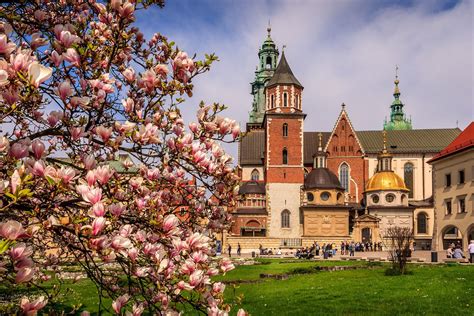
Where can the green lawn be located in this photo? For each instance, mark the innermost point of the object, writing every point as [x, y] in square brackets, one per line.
[430, 290]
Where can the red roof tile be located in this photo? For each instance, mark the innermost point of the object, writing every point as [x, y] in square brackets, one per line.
[463, 141]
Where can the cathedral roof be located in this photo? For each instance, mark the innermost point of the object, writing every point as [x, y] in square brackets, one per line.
[322, 178]
[252, 146]
[283, 74]
[464, 141]
[252, 187]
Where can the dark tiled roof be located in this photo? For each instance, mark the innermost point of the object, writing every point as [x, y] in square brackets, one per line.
[252, 188]
[408, 141]
[252, 147]
[311, 143]
[321, 178]
[283, 74]
[412, 141]
[251, 211]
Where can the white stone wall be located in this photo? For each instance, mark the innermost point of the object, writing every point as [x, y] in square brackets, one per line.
[281, 196]
[247, 172]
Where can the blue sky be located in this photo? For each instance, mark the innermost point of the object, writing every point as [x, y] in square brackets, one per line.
[341, 51]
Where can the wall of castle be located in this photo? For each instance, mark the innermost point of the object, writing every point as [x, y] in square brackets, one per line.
[280, 197]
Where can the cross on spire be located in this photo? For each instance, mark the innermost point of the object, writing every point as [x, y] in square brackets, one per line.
[269, 28]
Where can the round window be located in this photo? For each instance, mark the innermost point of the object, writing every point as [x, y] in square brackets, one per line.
[375, 198]
[325, 196]
[390, 198]
[310, 196]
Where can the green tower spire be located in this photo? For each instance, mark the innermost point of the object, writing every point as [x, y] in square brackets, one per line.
[268, 56]
[398, 120]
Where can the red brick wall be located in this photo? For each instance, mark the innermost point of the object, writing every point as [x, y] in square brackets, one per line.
[343, 147]
[293, 144]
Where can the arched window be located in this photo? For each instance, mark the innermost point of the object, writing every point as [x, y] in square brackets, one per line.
[285, 99]
[285, 219]
[344, 176]
[268, 63]
[285, 156]
[422, 223]
[408, 177]
[285, 130]
[255, 175]
[272, 101]
[296, 101]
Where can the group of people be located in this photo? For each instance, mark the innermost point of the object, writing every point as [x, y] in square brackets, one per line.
[455, 251]
[330, 249]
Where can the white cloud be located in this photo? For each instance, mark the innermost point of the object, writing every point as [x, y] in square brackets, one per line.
[344, 51]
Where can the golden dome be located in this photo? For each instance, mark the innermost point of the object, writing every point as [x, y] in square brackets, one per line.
[385, 180]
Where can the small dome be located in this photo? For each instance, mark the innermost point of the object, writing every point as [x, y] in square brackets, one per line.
[322, 178]
[386, 180]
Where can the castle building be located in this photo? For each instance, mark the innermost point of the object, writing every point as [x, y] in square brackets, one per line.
[453, 181]
[300, 186]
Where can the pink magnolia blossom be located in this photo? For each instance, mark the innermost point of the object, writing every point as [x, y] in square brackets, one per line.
[103, 132]
[31, 308]
[38, 168]
[98, 225]
[15, 181]
[183, 66]
[92, 195]
[120, 302]
[226, 265]
[89, 162]
[170, 224]
[24, 275]
[67, 39]
[56, 58]
[66, 174]
[72, 57]
[20, 251]
[37, 41]
[76, 132]
[129, 74]
[121, 243]
[241, 312]
[64, 90]
[4, 144]
[3, 77]
[98, 209]
[38, 73]
[6, 47]
[38, 148]
[19, 150]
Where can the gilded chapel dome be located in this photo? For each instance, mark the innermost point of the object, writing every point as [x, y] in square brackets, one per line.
[385, 180]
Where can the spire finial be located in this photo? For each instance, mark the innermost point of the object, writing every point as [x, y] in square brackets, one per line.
[343, 105]
[283, 48]
[320, 147]
[384, 133]
[397, 91]
[269, 28]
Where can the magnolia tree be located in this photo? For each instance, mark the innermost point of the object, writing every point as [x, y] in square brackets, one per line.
[79, 85]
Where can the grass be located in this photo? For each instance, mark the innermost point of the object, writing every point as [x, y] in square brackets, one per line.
[430, 290]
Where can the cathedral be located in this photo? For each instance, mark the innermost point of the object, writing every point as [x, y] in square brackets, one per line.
[300, 184]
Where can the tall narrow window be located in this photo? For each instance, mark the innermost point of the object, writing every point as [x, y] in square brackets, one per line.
[285, 130]
[461, 176]
[255, 175]
[285, 219]
[285, 99]
[344, 176]
[272, 101]
[421, 224]
[285, 156]
[408, 177]
[296, 101]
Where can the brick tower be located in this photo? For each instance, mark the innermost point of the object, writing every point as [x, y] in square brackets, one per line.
[284, 152]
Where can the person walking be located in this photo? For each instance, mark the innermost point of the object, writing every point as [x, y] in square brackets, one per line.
[351, 249]
[229, 250]
[470, 248]
[239, 249]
